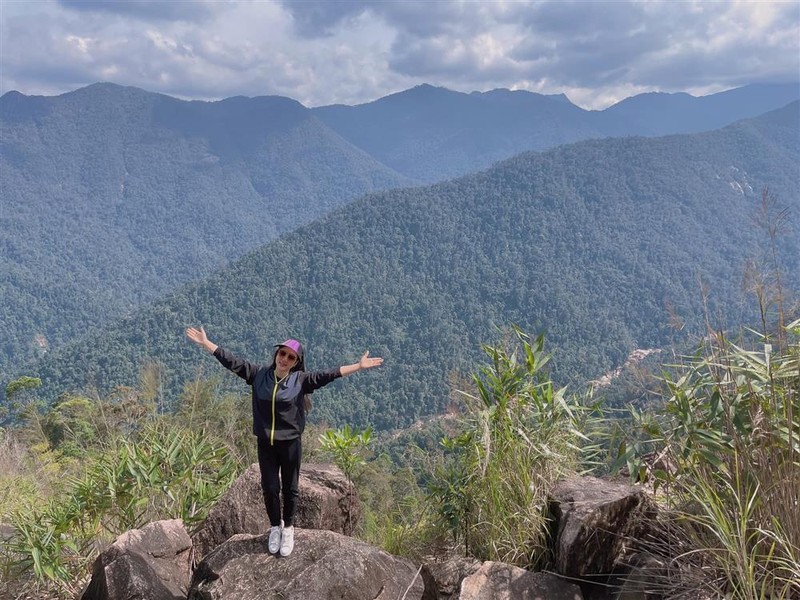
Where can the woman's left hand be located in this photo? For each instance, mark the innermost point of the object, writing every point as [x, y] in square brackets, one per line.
[368, 362]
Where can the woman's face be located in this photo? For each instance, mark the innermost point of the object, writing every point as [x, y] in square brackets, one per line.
[285, 359]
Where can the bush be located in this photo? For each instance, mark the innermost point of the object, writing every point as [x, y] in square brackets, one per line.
[732, 433]
[520, 435]
[163, 473]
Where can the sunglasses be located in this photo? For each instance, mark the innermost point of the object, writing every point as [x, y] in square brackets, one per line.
[286, 354]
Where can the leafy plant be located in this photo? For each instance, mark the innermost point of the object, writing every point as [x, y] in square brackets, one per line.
[520, 435]
[163, 473]
[732, 434]
[345, 447]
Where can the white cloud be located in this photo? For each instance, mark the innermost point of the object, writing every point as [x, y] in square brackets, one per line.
[322, 52]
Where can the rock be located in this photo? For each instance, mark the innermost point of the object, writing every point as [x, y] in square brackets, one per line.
[6, 532]
[324, 566]
[151, 563]
[327, 500]
[501, 581]
[647, 579]
[323, 505]
[443, 577]
[592, 520]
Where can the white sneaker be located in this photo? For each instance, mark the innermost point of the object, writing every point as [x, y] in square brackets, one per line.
[274, 543]
[287, 541]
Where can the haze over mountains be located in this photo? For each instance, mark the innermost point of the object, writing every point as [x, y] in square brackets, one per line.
[431, 133]
[600, 244]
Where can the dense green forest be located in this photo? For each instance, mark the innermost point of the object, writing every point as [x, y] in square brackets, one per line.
[113, 196]
[605, 246]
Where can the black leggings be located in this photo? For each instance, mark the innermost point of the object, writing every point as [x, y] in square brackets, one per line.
[283, 456]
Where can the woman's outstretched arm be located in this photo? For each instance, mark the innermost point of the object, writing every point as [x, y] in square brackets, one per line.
[366, 362]
[241, 367]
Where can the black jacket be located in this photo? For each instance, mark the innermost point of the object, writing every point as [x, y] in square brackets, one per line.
[277, 405]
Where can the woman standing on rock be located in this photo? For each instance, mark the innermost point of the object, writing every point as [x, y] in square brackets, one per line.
[279, 392]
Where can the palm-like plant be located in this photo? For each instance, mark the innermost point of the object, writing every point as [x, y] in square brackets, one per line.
[732, 431]
[520, 435]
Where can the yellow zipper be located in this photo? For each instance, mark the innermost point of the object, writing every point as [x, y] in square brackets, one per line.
[272, 427]
[274, 393]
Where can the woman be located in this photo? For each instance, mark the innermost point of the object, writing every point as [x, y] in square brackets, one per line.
[279, 392]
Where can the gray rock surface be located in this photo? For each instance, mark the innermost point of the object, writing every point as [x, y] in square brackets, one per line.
[443, 577]
[593, 518]
[151, 563]
[501, 581]
[324, 566]
[324, 504]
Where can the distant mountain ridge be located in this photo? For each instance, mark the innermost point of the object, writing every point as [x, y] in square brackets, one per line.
[428, 131]
[112, 195]
[601, 244]
[431, 133]
[661, 114]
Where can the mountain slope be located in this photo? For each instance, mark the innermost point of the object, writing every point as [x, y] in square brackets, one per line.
[112, 196]
[600, 244]
[431, 133]
[660, 113]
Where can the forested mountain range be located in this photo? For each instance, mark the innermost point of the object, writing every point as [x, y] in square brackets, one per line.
[431, 133]
[602, 245]
[112, 196]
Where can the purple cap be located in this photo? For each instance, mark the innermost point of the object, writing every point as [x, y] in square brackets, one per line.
[294, 345]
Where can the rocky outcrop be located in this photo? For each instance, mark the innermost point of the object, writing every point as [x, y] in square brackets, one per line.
[327, 501]
[324, 566]
[592, 520]
[151, 563]
[500, 581]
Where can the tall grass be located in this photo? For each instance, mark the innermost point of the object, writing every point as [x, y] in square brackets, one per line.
[732, 432]
[520, 435]
[162, 473]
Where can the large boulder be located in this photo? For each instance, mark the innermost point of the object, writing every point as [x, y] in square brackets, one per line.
[443, 576]
[501, 581]
[324, 566]
[151, 563]
[327, 501]
[592, 520]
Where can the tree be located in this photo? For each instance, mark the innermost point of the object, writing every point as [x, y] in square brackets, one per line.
[345, 447]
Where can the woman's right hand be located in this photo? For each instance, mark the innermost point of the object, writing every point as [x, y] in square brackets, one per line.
[199, 337]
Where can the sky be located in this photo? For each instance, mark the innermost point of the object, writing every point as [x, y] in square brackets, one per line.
[354, 51]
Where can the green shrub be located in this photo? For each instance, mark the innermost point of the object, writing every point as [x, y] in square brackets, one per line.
[163, 473]
[520, 435]
[731, 432]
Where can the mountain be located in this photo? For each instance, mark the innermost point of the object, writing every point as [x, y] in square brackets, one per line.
[661, 114]
[432, 133]
[113, 196]
[602, 245]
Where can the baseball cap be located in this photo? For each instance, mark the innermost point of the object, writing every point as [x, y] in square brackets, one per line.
[293, 345]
